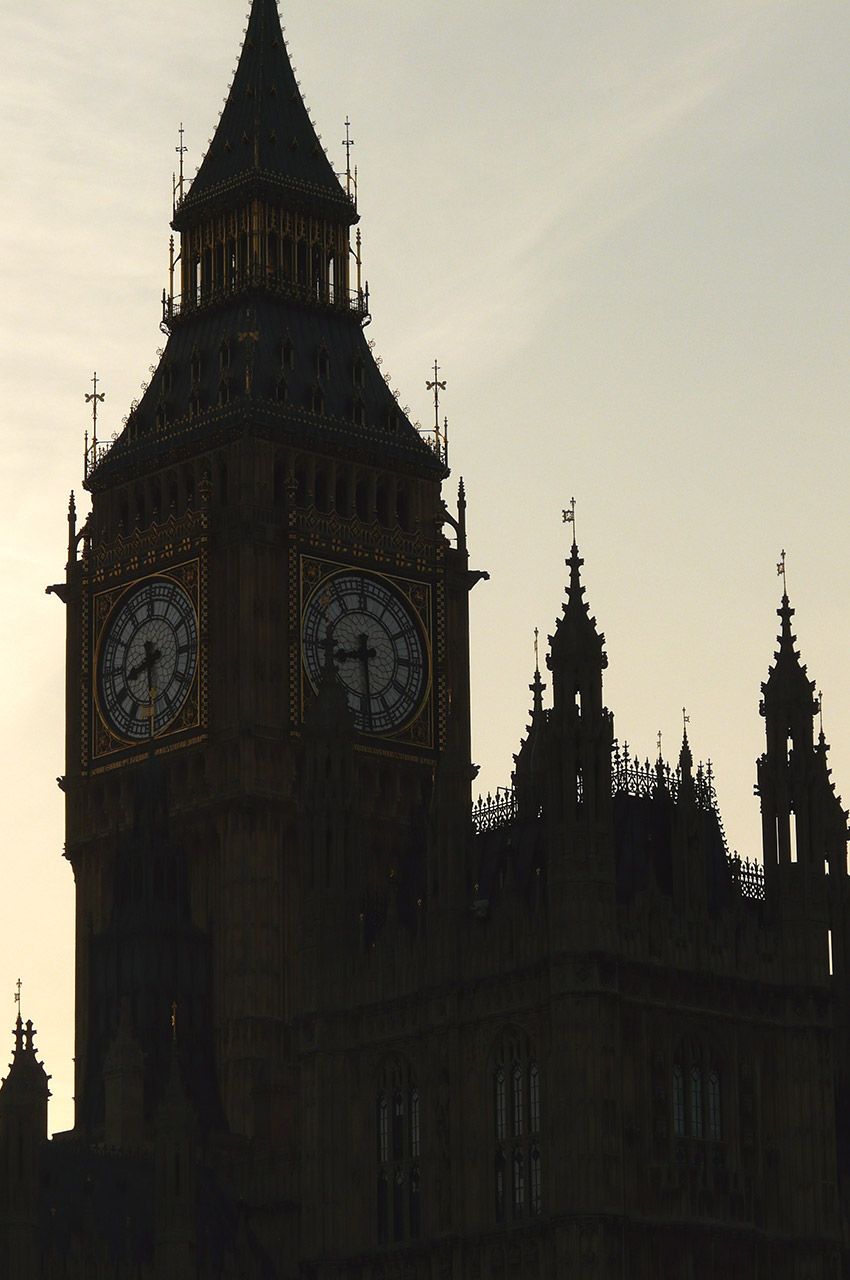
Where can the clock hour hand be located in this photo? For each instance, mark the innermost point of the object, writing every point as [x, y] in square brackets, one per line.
[151, 658]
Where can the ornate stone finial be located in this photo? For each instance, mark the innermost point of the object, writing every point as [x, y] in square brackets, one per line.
[780, 569]
[90, 452]
[659, 744]
[437, 386]
[181, 151]
[537, 686]
[348, 143]
[18, 985]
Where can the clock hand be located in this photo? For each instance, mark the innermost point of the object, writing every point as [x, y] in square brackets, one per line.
[365, 654]
[148, 663]
[362, 653]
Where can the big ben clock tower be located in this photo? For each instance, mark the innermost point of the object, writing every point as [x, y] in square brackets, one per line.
[267, 693]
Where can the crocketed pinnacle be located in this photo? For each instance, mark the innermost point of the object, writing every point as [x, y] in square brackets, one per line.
[686, 765]
[527, 759]
[576, 634]
[686, 760]
[265, 139]
[27, 1079]
[537, 686]
[787, 681]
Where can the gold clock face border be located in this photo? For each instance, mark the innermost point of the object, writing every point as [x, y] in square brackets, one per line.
[418, 730]
[105, 741]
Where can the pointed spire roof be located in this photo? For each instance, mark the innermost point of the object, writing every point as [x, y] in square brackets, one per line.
[686, 767]
[576, 631]
[265, 138]
[538, 718]
[787, 680]
[686, 759]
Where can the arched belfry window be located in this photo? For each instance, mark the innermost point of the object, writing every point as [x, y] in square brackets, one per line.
[697, 1105]
[517, 1178]
[398, 1132]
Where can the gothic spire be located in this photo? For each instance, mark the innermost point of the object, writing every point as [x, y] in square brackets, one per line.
[788, 690]
[529, 761]
[686, 759]
[265, 140]
[576, 635]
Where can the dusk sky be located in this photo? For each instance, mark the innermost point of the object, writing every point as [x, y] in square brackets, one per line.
[620, 226]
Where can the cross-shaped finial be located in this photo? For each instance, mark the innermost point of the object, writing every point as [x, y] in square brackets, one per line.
[686, 719]
[536, 655]
[181, 151]
[348, 143]
[820, 711]
[780, 569]
[436, 386]
[90, 454]
[659, 744]
[18, 994]
[570, 516]
[93, 398]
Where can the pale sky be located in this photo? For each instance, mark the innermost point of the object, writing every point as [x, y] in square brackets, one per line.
[620, 226]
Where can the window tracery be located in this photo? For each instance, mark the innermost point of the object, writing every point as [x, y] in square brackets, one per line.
[398, 1133]
[697, 1105]
[518, 1186]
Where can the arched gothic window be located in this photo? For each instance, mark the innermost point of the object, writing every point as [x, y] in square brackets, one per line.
[697, 1105]
[517, 1180]
[398, 1129]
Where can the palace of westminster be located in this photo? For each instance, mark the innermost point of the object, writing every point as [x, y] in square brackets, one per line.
[332, 1020]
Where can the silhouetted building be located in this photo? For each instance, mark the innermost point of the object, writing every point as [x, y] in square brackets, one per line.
[331, 1019]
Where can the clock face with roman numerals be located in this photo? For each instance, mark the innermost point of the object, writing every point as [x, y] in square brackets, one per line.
[377, 644]
[147, 659]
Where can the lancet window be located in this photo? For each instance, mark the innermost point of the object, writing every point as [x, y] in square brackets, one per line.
[697, 1105]
[517, 1174]
[398, 1132]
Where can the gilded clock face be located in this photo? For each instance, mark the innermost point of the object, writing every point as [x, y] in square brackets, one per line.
[147, 657]
[378, 648]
